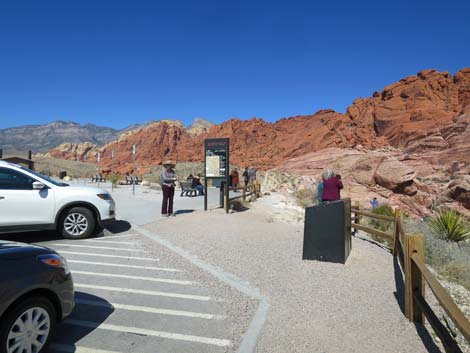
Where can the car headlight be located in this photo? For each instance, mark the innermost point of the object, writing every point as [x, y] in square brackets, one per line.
[55, 260]
[106, 197]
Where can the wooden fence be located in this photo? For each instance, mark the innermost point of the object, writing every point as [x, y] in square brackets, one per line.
[252, 189]
[409, 249]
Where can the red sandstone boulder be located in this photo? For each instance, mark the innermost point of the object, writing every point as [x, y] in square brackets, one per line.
[396, 176]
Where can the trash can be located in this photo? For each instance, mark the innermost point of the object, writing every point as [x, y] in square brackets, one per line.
[327, 232]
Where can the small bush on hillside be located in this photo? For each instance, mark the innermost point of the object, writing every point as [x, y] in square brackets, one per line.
[305, 197]
[449, 259]
[384, 210]
[450, 225]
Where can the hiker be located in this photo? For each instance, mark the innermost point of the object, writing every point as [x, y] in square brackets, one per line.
[245, 176]
[374, 203]
[235, 178]
[190, 177]
[331, 186]
[196, 184]
[320, 191]
[252, 175]
[168, 182]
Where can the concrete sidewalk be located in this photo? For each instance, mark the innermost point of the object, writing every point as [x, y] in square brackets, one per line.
[314, 306]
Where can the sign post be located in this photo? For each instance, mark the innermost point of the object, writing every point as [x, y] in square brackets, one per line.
[216, 167]
[112, 170]
[99, 168]
[133, 170]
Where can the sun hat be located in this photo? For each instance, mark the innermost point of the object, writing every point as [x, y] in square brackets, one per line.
[169, 162]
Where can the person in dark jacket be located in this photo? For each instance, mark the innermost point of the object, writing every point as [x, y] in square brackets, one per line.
[331, 186]
[196, 184]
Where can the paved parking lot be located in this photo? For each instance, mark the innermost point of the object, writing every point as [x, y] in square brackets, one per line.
[128, 300]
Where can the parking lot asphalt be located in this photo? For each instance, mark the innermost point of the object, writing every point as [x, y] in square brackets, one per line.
[130, 299]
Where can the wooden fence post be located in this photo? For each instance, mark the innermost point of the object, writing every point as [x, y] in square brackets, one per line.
[396, 233]
[356, 216]
[413, 277]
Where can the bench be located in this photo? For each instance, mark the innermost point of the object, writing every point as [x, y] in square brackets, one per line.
[97, 178]
[187, 190]
[133, 180]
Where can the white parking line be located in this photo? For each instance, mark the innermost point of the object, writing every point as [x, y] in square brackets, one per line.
[153, 333]
[108, 241]
[152, 310]
[105, 255]
[145, 292]
[150, 279]
[120, 265]
[93, 247]
[116, 236]
[73, 349]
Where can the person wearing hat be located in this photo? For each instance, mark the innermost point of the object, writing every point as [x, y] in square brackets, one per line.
[168, 182]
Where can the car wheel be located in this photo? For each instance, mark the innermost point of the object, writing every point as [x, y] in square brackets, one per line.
[28, 327]
[77, 223]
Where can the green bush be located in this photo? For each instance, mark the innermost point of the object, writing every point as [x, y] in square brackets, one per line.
[113, 179]
[384, 210]
[450, 225]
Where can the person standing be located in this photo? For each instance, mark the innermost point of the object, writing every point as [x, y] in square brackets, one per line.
[168, 182]
[374, 203]
[320, 191]
[235, 178]
[245, 176]
[331, 186]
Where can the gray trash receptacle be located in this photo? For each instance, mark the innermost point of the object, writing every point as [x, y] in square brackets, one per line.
[327, 232]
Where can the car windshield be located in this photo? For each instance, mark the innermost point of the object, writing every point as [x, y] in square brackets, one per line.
[52, 181]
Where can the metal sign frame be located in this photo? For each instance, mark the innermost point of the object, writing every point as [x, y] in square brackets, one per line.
[217, 147]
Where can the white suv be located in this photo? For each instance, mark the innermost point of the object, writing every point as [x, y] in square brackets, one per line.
[31, 201]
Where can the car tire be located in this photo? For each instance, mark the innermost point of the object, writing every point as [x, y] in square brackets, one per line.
[41, 332]
[77, 223]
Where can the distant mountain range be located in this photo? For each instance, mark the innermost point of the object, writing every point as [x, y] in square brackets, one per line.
[42, 138]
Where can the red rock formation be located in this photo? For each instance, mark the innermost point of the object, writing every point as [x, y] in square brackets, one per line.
[423, 119]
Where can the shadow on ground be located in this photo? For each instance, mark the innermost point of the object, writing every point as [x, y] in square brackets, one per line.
[93, 315]
[423, 333]
[113, 228]
[183, 212]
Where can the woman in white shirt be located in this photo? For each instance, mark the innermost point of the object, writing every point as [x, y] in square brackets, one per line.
[168, 182]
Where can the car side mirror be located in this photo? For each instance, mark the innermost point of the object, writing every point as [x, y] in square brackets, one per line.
[38, 185]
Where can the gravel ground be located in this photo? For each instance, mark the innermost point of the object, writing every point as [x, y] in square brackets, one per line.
[314, 306]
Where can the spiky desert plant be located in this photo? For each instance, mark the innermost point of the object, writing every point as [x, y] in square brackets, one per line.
[450, 225]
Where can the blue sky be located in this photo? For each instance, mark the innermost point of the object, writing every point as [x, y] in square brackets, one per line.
[116, 63]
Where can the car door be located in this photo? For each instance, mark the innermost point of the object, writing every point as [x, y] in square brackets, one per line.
[20, 205]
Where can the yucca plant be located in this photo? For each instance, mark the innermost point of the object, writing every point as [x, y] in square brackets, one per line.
[450, 225]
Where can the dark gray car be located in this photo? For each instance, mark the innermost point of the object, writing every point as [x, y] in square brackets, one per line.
[36, 291]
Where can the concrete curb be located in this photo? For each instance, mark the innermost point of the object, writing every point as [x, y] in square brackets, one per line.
[248, 343]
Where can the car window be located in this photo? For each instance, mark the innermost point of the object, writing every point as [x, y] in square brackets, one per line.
[13, 180]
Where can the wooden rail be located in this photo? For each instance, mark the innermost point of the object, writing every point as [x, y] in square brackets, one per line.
[410, 252]
[247, 190]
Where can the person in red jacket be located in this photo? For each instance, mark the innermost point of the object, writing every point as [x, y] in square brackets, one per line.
[332, 185]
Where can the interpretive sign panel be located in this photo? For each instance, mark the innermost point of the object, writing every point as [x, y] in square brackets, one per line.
[216, 158]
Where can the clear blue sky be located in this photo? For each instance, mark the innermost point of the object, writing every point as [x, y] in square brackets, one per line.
[116, 62]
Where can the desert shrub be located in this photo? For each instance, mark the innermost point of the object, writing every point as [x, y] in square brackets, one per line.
[449, 259]
[305, 197]
[113, 178]
[384, 210]
[450, 225]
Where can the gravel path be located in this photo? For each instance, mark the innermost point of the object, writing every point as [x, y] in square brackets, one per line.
[314, 306]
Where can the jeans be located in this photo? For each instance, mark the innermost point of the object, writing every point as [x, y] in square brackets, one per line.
[167, 204]
[200, 189]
